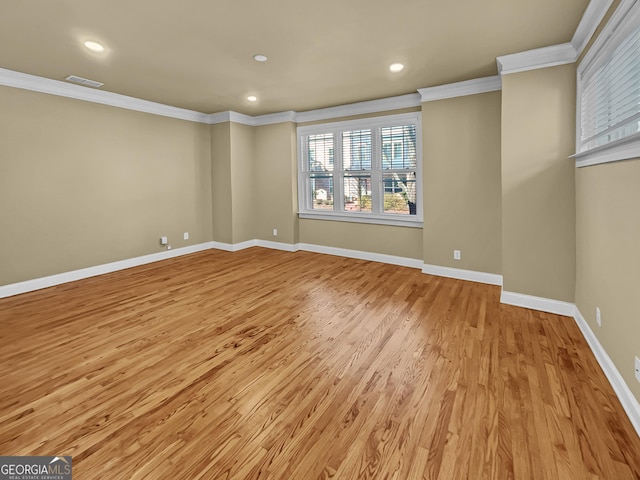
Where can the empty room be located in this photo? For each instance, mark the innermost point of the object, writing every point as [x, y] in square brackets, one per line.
[340, 240]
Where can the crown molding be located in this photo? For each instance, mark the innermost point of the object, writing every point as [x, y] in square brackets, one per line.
[461, 89]
[34, 83]
[230, 116]
[235, 117]
[593, 15]
[272, 118]
[220, 117]
[538, 58]
[561, 54]
[360, 108]
[241, 118]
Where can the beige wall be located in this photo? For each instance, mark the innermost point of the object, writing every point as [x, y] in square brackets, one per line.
[461, 145]
[385, 239]
[608, 259]
[255, 190]
[221, 182]
[254, 182]
[83, 184]
[242, 182]
[275, 183]
[538, 194]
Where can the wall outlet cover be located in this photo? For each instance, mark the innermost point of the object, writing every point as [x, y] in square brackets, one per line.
[638, 369]
[186, 235]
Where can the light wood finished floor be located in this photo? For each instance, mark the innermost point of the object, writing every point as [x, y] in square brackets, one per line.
[275, 365]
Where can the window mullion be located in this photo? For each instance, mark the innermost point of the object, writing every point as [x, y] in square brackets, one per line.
[304, 202]
[338, 174]
[377, 194]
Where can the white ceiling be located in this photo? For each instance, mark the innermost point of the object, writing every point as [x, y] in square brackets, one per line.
[197, 54]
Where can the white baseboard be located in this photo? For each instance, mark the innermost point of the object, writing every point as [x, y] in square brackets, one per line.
[628, 400]
[50, 281]
[460, 274]
[620, 387]
[236, 247]
[538, 303]
[360, 255]
[626, 397]
[242, 245]
[287, 247]
[227, 247]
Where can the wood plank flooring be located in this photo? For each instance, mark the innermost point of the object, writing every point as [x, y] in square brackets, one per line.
[263, 364]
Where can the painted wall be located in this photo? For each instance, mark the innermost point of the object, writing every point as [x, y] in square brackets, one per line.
[461, 175]
[608, 259]
[275, 183]
[538, 192]
[221, 201]
[385, 239]
[83, 184]
[242, 182]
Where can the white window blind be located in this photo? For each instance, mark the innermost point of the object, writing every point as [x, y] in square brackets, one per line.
[362, 170]
[609, 87]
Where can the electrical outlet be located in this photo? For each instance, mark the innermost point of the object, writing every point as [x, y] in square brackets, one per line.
[186, 235]
[163, 240]
[457, 255]
[598, 317]
[638, 369]
[275, 232]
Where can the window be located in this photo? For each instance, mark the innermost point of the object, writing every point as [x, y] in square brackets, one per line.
[608, 126]
[362, 170]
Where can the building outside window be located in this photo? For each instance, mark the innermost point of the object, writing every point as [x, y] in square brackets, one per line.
[364, 170]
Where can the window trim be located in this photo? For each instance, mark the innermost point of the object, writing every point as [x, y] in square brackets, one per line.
[413, 118]
[627, 13]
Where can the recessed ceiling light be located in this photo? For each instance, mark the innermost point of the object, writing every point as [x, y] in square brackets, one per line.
[258, 57]
[396, 67]
[252, 98]
[94, 46]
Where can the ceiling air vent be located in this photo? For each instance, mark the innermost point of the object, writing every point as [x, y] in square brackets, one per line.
[84, 81]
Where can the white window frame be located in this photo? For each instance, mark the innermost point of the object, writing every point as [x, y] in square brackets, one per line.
[336, 128]
[614, 33]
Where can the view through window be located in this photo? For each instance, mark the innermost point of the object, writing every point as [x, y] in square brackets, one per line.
[367, 169]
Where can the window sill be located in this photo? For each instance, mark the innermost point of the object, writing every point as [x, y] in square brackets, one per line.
[625, 149]
[363, 218]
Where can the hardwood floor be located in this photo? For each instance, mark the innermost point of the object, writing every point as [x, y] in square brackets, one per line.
[274, 365]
